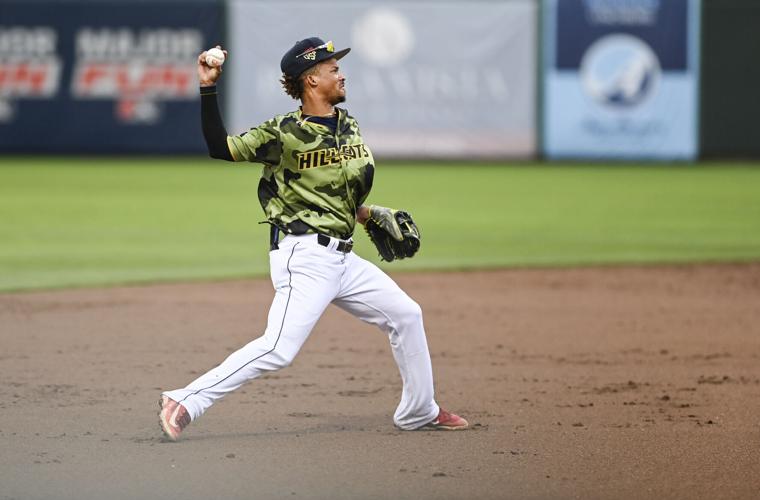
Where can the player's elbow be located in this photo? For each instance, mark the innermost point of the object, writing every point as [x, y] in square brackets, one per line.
[220, 155]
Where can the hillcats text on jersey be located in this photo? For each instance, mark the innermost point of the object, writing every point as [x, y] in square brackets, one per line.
[330, 156]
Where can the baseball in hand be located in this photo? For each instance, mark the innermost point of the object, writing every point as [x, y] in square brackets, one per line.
[214, 57]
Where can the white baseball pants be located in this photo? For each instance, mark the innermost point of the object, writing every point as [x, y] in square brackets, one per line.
[307, 277]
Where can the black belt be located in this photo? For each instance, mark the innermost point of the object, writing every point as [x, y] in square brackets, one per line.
[274, 237]
[343, 246]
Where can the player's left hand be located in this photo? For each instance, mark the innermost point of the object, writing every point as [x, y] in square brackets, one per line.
[393, 232]
[208, 75]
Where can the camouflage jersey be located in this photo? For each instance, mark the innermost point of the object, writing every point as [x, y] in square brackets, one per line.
[313, 180]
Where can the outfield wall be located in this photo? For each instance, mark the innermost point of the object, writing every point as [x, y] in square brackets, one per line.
[102, 77]
[424, 80]
[730, 105]
[630, 79]
[621, 79]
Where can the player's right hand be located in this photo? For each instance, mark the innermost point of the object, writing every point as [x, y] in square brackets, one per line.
[208, 75]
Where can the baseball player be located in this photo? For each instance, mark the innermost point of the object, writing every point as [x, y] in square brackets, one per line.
[317, 173]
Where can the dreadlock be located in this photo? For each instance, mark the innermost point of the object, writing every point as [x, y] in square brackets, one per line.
[294, 86]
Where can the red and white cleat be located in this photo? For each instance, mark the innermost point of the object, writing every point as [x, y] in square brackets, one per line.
[172, 417]
[446, 421]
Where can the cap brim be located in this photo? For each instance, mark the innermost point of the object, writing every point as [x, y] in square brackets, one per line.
[340, 53]
[324, 56]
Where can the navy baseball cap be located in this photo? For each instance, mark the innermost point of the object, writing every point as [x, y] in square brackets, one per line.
[307, 53]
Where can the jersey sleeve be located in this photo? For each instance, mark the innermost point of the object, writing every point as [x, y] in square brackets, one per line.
[260, 144]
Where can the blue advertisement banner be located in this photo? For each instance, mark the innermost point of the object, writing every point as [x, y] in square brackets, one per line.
[621, 78]
[107, 77]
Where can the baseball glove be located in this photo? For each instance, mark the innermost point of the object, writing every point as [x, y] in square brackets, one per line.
[393, 232]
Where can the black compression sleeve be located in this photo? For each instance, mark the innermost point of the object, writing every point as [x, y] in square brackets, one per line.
[213, 126]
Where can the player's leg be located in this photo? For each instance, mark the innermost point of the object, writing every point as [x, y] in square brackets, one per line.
[371, 295]
[305, 283]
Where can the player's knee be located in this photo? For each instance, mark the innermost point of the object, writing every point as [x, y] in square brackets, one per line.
[408, 313]
[283, 359]
[276, 359]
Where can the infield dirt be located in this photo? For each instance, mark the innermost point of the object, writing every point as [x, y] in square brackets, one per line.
[619, 382]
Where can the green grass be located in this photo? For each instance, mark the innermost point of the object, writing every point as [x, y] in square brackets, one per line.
[95, 221]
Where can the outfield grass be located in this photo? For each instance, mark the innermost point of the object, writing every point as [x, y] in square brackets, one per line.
[95, 221]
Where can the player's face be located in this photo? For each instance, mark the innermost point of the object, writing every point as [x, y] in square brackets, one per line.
[332, 83]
